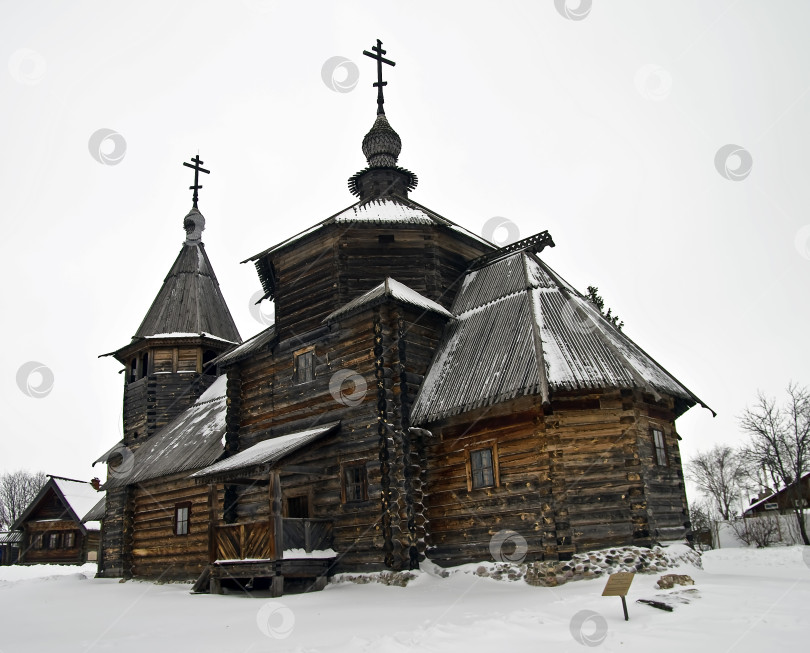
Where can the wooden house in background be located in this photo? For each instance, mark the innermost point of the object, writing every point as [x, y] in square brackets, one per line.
[421, 392]
[51, 527]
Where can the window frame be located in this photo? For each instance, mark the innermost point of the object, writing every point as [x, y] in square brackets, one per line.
[297, 380]
[662, 449]
[184, 505]
[344, 485]
[69, 540]
[492, 445]
[54, 541]
[38, 543]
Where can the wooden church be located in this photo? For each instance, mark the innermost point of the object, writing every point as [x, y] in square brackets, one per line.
[420, 392]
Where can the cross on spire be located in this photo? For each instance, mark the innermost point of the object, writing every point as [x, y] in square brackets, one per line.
[197, 167]
[378, 56]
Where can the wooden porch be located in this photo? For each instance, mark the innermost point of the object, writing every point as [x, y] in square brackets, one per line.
[250, 556]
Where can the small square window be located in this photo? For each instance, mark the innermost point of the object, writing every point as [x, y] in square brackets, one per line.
[304, 366]
[482, 468]
[181, 517]
[355, 482]
[660, 448]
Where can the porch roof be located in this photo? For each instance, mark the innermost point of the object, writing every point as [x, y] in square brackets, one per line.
[262, 457]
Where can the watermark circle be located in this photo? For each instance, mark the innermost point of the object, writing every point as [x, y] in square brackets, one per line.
[572, 10]
[653, 82]
[262, 311]
[347, 387]
[501, 231]
[107, 146]
[802, 241]
[733, 162]
[589, 628]
[123, 469]
[508, 546]
[275, 620]
[340, 74]
[27, 66]
[35, 379]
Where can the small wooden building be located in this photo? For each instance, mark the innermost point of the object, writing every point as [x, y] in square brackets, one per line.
[421, 392]
[784, 501]
[10, 546]
[51, 527]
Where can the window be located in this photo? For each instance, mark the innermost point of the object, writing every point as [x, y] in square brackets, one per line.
[181, 515]
[145, 364]
[482, 468]
[355, 482]
[53, 541]
[69, 540]
[304, 365]
[660, 448]
[298, 507]
[38, 541]
[133, 370]
[208, 356]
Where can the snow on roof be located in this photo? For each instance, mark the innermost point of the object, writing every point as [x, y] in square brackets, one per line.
[11, 537]
[389, 288]
[250, 345]
[81, 496]
[266, 452]
[96, 513]
[520, 329]
[202, 334]
[190, 441]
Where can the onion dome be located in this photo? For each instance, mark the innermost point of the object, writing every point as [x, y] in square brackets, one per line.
[194, 224]
[382, 177]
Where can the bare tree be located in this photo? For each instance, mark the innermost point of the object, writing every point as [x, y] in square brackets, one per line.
[17, 490]
[719, 474]
[780, 443]
[702, 516]
[759, 531]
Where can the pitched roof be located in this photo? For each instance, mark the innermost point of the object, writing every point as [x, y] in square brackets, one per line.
[265, 454]
[76, 496]
[190, 441]
[382, 210]
[190, 300]
[248, 347]
[393, 289]
[521, 329]
[96, 513]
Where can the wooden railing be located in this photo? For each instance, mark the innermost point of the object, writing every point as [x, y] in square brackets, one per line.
[256, 541]
[307, 534]
[244, 541]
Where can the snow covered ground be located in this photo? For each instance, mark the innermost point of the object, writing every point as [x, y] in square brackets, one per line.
[746, 600]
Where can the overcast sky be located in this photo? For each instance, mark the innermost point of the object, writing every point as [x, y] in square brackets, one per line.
[609, 127]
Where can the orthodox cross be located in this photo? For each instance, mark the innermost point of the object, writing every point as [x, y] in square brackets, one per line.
[197, 170]
[378, 56]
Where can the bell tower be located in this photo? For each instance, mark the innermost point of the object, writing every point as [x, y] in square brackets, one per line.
[168, 362]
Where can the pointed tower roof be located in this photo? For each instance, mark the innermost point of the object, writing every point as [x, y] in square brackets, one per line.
[190, 301]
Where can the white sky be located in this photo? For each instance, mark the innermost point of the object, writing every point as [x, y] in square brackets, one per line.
[505, 109]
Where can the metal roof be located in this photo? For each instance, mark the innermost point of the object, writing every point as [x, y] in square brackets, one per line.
[248, 347]
[389, 288]
[265, 454]
[191, 441]
[11, 537]
[381, 210]
[521, 329]
[190, 300]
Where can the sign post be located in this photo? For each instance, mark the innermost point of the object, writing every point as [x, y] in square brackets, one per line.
[618, 585]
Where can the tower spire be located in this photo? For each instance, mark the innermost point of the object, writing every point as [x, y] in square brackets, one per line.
[194, 222]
